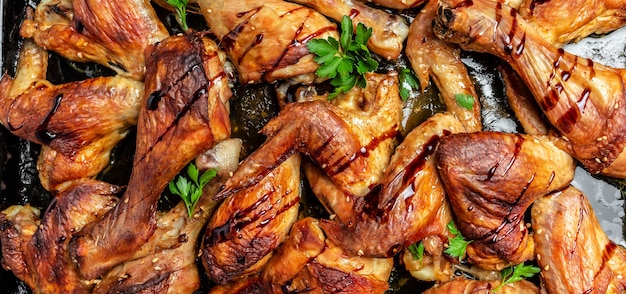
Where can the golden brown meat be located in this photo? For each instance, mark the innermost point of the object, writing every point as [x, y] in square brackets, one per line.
[79, 122]
[183, 114]
[111, 33]
[560, 22]
[407, 205]
[352, 146]
[461, 285]
[250, 224]
[388, 30]
[491, 179]
[398, 4]
[41, 259]
[167, 262]
[266, 39]
[584, 101]
[309, 263]
[441, 61]
[573, 251]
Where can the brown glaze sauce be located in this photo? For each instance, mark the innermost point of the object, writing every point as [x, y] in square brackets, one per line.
[41, 132]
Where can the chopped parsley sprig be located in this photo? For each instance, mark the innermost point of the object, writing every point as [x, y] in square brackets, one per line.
[417, 250]
[190, 188]
[181, 12]
[457, 245]
[408, 82]
[344, 61]
[465, 100]
[516, 273]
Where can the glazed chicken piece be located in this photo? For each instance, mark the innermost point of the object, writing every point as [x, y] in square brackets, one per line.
[308, 262]
[266, 39]
[489, 196]
[388, 30]
[572, 249]
[402, 211]
[583, 100]
[167, 262]
[441, 61]
[560, 22]
[111, 33]
[461, 285]
[250, 224]
[183, 114]
[37, 252]
[398, 4]
[78, 123]
[352, 146]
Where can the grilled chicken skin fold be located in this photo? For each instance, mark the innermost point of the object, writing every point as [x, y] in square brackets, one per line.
[112, 33]
[37, 251]
[491, 179]
[183, 114]
[461, 285]
[250, 224]
[266, 39]
[572, 249]
[78, 123]
[583, 100]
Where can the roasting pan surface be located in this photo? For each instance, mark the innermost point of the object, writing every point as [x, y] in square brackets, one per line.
[17, 158]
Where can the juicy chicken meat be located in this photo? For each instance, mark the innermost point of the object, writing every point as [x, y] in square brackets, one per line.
[266, 39]
[583, 100]
[489, 196]
[405, 208]
[308, 262]
[37, 252]
[251, 223]
[388, 30]
[352, 146]
[398, 4]
[183, 114]
[167, 262]
[560, 22]
[441, 61]
[112, 33]
[78, 123]
[461, 285]
[572, 249]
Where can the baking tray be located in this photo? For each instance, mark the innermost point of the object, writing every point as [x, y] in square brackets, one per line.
[20, 184]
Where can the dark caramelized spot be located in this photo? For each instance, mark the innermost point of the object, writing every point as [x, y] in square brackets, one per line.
[152, 103]
[42, 133]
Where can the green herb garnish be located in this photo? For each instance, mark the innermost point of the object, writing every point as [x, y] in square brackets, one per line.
[190, 191]
[345, 61]
[417, 250]
[181, 11]
[465, 100]
[408, 82]
[516, 273]
[457, 245]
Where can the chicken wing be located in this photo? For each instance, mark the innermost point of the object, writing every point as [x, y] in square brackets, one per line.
[461, 285]
[573, 251]
[266, 39]
[491, 179]
[183, 114]
[583, 100]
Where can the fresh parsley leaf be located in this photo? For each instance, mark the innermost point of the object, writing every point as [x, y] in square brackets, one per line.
[417, 250]
[465, 100]
[408, 82]
[457, 245]
[516, 273]
[190, 188]
[181, 12]
[344, 61]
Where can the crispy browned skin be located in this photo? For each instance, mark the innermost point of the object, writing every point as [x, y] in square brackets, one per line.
[308, 263]
[441, 61]
[183, 114]
[167, 262]
[584, 101]
[111, 33]
[560, 22]
[572, 249]
[491, 179]
[251, 223]
[398, 4]
[42, 259]
[266, 39]
[388, 30]
[352, 146]
[411, 194]
[79, 122]
[461, 285]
